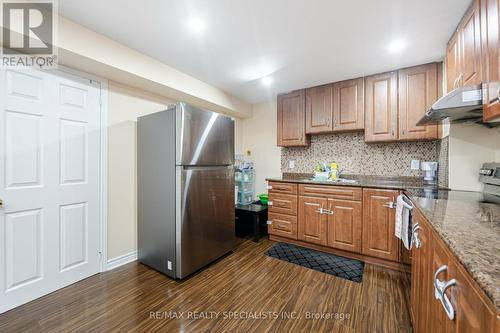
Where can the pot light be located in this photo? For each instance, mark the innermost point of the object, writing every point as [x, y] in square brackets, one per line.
[396, 46]
[196, 25]
[267, 81]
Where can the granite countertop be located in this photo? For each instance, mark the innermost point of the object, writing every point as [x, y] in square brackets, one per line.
[393, 183]
[471, 229]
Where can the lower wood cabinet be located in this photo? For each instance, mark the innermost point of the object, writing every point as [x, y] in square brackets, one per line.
[312, 222]
[344, 225]
[378, 224]
[472, 310]
[421, 279]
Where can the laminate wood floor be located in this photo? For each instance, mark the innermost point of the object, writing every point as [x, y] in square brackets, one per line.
[246, 291]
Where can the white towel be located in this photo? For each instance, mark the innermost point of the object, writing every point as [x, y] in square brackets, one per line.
[399, 216]
[403, 221]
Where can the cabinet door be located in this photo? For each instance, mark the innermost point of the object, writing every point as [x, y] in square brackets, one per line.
[381, 107]
[452, 63]
[344, 226]
[418, 90]
[490, 23]
[378, 224]
[319, 109]
[349, 105]
[470, 47]
[421, 279]
[312, 224]
[438, 320]
[473, 313]
[292, 119]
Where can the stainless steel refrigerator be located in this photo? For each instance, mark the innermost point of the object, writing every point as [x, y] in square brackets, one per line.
[185, 159]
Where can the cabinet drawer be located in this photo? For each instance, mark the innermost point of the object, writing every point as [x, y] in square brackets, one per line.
[336, 192]
[287, 188]
[283, 203]
[282, 225]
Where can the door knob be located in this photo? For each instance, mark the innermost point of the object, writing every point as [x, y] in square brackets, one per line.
[1, 203]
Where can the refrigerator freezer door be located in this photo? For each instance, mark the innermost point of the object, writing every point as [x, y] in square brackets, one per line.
[206, 217]
[203, 137]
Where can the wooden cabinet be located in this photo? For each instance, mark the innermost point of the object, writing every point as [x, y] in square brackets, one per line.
[381, 107]
[312, 223]
[490, 41]
[473, 310]
[418, 90]
[344, 225]
[282, 217]
[463, 54]
[452, 63]
[378, 224]
[470, 47]
[349, 105]
[421, 279]
[319, 109]
[438, 320]
[292, 119]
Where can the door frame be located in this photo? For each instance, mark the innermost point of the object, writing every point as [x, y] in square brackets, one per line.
[103, 157]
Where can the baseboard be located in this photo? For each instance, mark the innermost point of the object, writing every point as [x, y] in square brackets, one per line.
[121, 260]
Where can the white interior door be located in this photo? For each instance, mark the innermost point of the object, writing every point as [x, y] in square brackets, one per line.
[49, 183]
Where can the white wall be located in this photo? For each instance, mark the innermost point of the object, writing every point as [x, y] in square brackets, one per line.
[470, 146]
[125, 104]
[258, 134]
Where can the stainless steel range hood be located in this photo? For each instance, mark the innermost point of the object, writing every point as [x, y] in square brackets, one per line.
[463, 104]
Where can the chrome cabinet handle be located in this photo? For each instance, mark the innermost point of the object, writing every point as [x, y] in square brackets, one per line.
[498, 92]
[390, 205]
[440, 288]
[324, 211]
[415, 228]
[269, 203]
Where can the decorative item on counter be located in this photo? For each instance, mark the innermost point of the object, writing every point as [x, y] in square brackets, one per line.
[263, 198]
[334, 170]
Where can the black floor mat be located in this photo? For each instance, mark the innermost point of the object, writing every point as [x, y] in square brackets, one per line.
[350, 269]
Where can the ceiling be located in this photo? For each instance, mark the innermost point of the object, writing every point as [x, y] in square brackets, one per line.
[298, 43]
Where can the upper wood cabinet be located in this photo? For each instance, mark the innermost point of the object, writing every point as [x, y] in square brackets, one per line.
[463, 54]
[490, 41]
[381, 107]
[378, 224]
[349, 105]
[418, 90]
[470, 47]
[452, 63]
[292, 119]
[319, 109]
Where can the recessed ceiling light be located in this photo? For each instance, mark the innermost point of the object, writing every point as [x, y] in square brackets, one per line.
[196, 25]
[396, 46]
[267, 81]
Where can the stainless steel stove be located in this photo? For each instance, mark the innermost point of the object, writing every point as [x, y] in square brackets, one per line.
[489, 175]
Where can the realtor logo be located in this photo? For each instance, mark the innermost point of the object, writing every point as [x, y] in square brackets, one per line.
[28, 31]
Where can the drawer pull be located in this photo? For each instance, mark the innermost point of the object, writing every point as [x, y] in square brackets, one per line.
[418, 243]
[440, 288]
[325, 211]
[269, 203]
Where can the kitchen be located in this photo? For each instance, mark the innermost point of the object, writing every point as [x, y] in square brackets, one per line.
[380, 160]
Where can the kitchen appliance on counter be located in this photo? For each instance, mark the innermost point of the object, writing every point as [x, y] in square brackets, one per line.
[489, 175]
[185, 159]
[431, 169]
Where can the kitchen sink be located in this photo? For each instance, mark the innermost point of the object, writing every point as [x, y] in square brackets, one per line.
[338, 181]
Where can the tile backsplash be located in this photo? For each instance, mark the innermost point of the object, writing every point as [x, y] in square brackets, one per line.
[357, 157]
